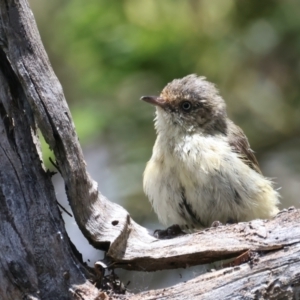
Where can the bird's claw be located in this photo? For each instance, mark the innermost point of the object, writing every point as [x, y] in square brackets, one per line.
[169, 233]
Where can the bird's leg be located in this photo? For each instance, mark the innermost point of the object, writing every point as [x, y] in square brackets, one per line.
[169, 233]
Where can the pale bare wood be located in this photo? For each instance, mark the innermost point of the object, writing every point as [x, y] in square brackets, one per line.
[210, 245]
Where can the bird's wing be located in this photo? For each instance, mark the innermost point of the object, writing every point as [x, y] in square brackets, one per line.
[239, 144]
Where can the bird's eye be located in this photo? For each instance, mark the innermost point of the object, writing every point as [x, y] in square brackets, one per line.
[186, 106]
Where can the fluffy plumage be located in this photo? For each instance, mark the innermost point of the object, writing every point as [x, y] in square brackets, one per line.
[202, 168]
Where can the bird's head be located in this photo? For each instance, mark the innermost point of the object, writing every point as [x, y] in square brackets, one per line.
[190, 104]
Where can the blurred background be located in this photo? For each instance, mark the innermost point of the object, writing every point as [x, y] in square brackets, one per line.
[107, 54]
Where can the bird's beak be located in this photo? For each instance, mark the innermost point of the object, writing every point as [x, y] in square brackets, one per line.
[158, 101]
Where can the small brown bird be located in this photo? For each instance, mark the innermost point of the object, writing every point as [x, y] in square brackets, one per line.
[202, 168]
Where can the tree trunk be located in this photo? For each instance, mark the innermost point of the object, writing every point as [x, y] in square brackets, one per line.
[37, 259]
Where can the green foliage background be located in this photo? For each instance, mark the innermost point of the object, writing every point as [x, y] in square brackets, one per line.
[109, 53]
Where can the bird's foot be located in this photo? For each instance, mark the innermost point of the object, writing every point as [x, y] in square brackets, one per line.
[218, 223]
[169, 233]
[231, 221]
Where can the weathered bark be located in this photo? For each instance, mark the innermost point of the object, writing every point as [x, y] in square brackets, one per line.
[273, 276]
[36, 258]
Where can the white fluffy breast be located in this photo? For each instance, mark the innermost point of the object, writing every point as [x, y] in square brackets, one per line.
[194, 180]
